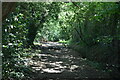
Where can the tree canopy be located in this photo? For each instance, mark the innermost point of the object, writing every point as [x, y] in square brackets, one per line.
[91, 28]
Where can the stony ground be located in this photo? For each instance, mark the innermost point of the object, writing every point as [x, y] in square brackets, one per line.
[57, 62]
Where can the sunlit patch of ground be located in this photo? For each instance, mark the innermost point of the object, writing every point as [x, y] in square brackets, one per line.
[61, 63]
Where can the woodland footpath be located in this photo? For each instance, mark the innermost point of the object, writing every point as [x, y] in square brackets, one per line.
[60, 40]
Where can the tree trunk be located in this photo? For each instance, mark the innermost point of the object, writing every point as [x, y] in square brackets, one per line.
[32, 30]
[116, 41]
[7, 8]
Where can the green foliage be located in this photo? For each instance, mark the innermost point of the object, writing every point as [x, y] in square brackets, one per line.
[90, 28]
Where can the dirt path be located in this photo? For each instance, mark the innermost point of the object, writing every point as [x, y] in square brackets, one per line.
[58, 62]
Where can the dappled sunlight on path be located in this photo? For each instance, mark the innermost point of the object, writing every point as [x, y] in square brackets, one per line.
[58, 62]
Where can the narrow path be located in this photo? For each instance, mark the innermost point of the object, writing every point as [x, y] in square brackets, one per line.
[58, 62]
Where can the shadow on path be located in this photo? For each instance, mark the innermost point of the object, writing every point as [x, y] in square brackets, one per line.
[58, 62]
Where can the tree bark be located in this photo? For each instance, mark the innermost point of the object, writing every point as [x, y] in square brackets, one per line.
[116, 42]
[7, 8]
[32, 30]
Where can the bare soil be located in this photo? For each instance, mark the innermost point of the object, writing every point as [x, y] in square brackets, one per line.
[56, 62]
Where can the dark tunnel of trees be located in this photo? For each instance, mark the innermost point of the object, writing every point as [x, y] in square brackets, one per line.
[90, 28]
